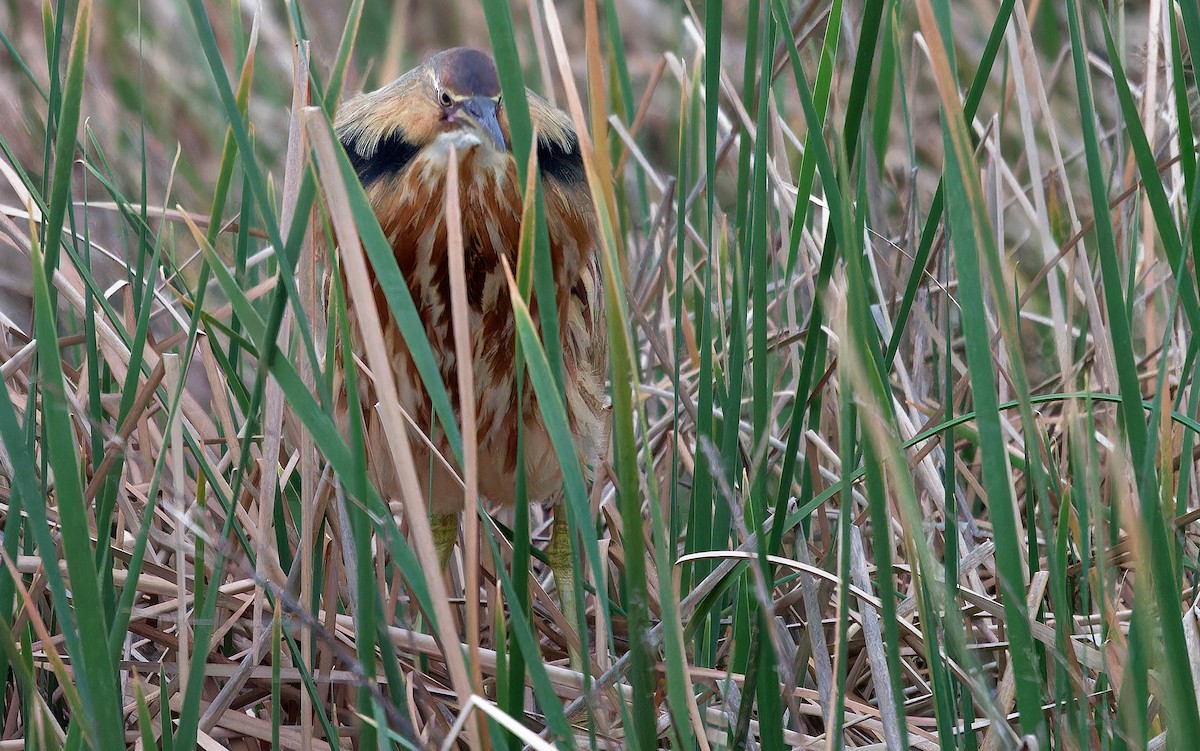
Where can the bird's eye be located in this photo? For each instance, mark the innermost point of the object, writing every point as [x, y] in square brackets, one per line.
[446, 100]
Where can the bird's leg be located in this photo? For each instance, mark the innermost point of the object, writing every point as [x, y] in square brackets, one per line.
[559, 554]
[445, 533]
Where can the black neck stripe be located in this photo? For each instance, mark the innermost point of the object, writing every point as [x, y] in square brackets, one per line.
[559, 163]
[392, 155]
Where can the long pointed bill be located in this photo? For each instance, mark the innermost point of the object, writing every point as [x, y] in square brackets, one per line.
[484, 112]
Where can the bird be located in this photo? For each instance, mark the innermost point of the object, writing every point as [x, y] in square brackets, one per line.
[399, 139]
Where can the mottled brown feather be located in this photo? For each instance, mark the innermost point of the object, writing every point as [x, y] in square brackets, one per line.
[398, 140]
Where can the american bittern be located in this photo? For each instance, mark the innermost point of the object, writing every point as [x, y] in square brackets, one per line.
[399, 139]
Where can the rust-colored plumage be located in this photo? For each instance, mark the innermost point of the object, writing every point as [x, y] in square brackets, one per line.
[399, 140]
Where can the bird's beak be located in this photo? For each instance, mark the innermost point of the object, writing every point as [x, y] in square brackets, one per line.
[484, 112]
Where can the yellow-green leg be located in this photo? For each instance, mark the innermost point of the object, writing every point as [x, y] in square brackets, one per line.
[445, 533]
[559, 553]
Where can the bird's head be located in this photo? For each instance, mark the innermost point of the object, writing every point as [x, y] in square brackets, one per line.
[455, 92]
[464, 84]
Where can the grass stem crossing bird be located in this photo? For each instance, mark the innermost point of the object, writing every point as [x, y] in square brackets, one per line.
[399, 139]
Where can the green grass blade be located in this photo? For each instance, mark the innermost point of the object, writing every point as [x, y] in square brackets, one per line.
[93, 667]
